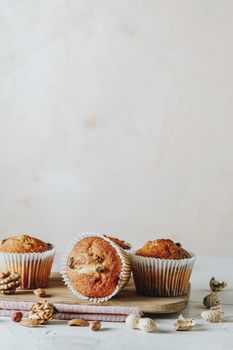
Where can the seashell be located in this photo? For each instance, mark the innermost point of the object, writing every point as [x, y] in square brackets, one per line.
[184, 324]
[216, 286]
[211, 300]
[214, 315]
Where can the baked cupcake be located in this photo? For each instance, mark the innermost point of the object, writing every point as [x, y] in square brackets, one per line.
[95, 267]
[30, 257]
[123, 244]
[162, 268]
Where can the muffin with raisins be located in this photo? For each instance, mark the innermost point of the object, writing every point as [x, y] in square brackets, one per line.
[162, 268]
[96, 267]
[30, 257]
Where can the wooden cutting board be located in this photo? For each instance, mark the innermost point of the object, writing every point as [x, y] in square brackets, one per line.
[60, 294]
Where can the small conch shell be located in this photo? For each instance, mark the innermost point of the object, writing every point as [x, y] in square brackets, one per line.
[184, 324]
[211, 300]
[214, 315]
[216, 286]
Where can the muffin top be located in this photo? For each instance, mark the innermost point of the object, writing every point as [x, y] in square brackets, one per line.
[124, 245]
[24, 244]
[163, 249]
[94, 267]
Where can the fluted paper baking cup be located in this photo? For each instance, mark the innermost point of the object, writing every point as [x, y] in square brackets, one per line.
[125, 270]
[161, 277]
[34, 268]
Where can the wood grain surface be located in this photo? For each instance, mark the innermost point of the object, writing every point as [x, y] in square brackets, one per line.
[57, 292]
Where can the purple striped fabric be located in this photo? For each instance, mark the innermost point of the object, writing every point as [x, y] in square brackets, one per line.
[69, 311]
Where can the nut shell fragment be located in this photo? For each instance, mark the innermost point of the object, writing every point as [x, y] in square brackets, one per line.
[78, 322]
[211, 300]
[145, 324]
[9, 281]
[216, 286]
[184, 324]
[132, 321]
[214, 315]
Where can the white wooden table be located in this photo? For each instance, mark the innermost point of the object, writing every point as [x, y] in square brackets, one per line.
[59, 336]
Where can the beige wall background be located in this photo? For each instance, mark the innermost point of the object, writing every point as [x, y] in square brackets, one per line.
[117, 116]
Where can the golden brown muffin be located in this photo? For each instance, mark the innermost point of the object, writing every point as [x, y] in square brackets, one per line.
[162, 268]
[24, 244]
[94, 267]
[163, 249]
[30, 257]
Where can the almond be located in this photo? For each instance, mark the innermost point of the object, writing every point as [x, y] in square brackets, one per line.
[30, 323]
[78, 322]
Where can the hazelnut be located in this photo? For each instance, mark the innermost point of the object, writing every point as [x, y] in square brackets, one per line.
[95, 326]
[40, 292]
[17, 316]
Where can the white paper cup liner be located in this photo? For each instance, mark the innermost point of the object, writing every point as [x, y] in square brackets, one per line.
[34, 268]
[125, 270]
[161, 277]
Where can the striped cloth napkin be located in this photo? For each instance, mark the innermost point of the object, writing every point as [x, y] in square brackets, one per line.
[70, 311]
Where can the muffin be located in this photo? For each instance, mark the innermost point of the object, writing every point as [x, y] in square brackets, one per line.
[162, 268]
[95, 267]
[163, 249]
[124, 245]
[30, 257]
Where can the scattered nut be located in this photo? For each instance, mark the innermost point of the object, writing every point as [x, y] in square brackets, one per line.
[214, 315]
[40, 292]
[145, 324]
[78, 322]
[9, 282]
[132, 321]
[216, 286]
[17, 316]
[211, 300]
[184, 324]
[43, 311]
[30, 323]
[95, 326]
